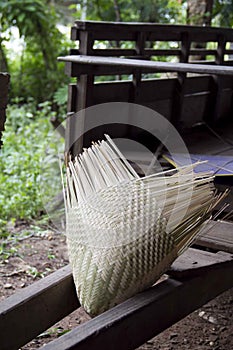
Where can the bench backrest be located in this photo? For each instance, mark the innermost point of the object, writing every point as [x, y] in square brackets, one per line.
[146, 40]
[184, 99]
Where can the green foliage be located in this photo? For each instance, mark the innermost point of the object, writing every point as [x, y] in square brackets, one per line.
[162, 11]
[26, 15]
[61, 96]
[35, 72]
[223, 13]
[29, 78]
[27, 145]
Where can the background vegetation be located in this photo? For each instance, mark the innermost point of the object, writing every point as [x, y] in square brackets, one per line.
[38, 83]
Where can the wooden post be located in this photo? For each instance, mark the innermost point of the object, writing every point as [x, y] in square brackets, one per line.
[80, 98]
[140, 45]
[179, 88]
[218, 80]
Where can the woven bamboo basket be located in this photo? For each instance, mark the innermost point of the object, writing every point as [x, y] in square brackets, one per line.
[123, 231]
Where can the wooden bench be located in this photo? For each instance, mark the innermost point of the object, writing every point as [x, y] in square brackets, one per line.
[4, 86]
[181, 97]
[197, 276]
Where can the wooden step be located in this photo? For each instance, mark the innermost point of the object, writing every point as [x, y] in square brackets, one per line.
[219, 236]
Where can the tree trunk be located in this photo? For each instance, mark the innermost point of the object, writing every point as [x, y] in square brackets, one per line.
[3, 60]
[117, 11]
[199, 12]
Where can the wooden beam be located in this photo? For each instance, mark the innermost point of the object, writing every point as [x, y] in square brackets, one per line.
[96, 61]
[37, 307]
[115, 52]
[126, 31]
[34, 309]
[145, 315]
[195, 262]
[219, 236]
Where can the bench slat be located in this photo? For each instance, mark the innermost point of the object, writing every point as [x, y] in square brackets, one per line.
[52, 298]
[219, 237]
[142, 317]
[115, 62]
[194, 262]
[128, 31]
[34, 309]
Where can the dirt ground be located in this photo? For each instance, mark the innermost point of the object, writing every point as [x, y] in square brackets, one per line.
[31, 253]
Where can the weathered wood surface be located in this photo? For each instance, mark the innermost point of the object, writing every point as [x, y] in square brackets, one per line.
[145, 315]
[142, 37]
[193, 263]
[127, 31]
[52, 298]
[29, 312]
[158, 94]
[87, 64]
[4, 86]
[118, 52]
[183, 109]
[219, 236]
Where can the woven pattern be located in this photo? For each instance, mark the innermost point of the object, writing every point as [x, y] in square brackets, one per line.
[123, 232]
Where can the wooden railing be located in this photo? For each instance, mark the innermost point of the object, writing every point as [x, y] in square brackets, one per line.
[145, 40]
[185, 92]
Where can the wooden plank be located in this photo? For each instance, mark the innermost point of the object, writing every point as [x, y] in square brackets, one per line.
[156, 94]
[178, 99]
[54, 297]
[114, 52]
[196, 95]
[126, 31]
[218, 237]
[157, 89]
[145, 315]
[221, 48]
[162, 52]
[195, 262]
[72, 98]
[118, 91]
[85, 86]
[225, 106]
[197, 84]
[150, 90]
[217, 113]
[194, 108]
[74, 70]
[95, 62]
[203, 51]
[177, 52]
[86, 43]
[35, 308]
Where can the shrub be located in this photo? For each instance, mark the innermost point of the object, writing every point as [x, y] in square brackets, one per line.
[29, 144]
